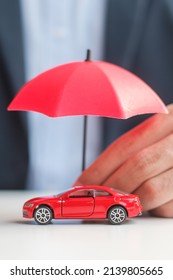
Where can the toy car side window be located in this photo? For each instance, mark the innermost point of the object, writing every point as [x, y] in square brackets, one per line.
[101, 193]
[81, 193]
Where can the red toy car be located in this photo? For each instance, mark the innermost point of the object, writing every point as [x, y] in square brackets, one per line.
[84, 202]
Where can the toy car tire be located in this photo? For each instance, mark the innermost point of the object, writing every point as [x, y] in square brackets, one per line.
[117, 215]
[43, 215]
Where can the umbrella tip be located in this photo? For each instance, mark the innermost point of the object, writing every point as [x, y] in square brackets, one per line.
[88, 55]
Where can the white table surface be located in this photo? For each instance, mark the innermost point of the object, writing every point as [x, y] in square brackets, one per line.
[139, 238]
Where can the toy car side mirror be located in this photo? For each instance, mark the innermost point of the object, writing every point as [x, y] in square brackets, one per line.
[65, 197]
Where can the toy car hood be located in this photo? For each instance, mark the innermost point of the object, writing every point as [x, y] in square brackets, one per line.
[39, 199]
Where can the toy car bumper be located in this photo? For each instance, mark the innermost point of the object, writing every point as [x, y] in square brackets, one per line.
[27, 213]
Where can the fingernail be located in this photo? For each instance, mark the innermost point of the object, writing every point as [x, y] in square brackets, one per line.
[77, 183]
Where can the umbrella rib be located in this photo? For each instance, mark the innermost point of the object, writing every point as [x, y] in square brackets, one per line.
[123, 116]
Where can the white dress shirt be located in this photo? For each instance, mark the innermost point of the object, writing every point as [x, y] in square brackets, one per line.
[57, 32]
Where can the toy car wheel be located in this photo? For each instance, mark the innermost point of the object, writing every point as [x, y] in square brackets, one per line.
[43, 215]
[117, 215]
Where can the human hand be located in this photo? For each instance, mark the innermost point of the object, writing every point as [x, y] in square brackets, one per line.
[141, 162]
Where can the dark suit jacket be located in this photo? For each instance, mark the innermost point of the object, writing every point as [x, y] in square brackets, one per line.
[138, 36]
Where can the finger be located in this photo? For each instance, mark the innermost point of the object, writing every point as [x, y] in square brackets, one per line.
[156, 192]
[164, 211]
[126, 146]
[148, 163]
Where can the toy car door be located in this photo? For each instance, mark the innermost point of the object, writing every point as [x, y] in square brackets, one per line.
[78, 204]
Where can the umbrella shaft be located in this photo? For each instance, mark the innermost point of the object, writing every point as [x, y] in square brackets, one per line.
[84, 143]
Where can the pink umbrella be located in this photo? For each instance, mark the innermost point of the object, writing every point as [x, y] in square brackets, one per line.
[88, 88]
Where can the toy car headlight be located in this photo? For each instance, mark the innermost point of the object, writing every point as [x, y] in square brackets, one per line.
[28, 204]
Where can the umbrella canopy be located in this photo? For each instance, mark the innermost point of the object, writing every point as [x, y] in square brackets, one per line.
[88, 88]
